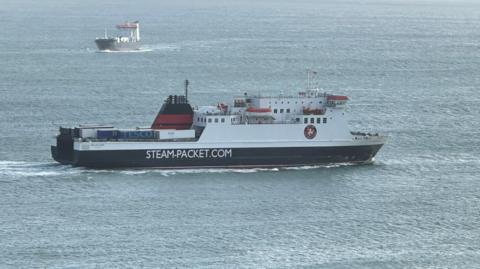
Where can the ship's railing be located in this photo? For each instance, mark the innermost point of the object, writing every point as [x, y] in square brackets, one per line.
[367, 136]
[88, 139]
[263, 123]
[364, 134]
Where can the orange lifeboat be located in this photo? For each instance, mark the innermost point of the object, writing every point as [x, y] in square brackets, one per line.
[336, 100]
[316, 111]
[259, 110]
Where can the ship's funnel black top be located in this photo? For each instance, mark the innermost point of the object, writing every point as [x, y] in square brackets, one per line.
[176, 113]
[176, 99]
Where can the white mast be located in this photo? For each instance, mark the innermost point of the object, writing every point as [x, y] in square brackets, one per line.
[137, 31]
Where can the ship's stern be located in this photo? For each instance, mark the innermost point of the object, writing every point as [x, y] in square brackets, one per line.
[62, 151]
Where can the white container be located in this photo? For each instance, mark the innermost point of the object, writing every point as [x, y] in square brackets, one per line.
[176, 134]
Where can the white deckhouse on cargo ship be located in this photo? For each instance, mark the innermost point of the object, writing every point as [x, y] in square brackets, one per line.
[254, 131]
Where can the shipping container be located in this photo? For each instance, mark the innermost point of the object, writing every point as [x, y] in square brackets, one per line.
[138, 134]
[107, 134]
[89, 131]
[176, 134]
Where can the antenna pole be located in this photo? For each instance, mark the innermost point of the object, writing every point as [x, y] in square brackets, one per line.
[186, 90]
[308, 79]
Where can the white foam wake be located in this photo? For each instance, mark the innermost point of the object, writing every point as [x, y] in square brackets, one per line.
[32, 169]
[17, 169]
[142, 50]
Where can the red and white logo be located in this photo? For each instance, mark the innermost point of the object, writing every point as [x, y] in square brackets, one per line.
[310, 131]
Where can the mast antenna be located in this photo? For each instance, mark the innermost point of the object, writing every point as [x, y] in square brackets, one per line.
[308, 78]
[186, 90]
[311, 76]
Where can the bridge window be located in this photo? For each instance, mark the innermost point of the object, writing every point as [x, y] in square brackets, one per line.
[275, 111]
[288, 110]
[305, 120]
[223, 120]
[324, 120]
[216, 120]
[281, 110]
[312, 120]
[318, 120]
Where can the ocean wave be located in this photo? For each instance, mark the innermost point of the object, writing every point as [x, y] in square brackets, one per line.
[433, 159]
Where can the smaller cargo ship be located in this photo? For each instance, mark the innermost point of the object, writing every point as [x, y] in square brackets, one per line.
[123, 42]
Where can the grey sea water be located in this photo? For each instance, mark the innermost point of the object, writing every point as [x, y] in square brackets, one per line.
[411, 69]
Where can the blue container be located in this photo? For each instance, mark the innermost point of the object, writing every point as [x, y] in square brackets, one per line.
[107, 134]
[138, 134]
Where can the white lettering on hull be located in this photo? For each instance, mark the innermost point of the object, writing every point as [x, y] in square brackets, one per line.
[188, 153]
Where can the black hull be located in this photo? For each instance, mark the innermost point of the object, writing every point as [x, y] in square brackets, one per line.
[110, 44]
[229, 158]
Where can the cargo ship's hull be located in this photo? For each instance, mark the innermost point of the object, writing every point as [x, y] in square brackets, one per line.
[216, 157]
[111, 44]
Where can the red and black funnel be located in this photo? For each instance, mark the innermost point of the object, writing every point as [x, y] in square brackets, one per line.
[176, 113]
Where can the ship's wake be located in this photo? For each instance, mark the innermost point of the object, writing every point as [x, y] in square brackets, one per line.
[16, 169]
[142, 50]
[161, 47]
[19, 169]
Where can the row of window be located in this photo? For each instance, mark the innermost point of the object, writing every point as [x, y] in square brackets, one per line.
[216, 120]
[281, 110]
[312, 120]
[305, 120]
[296, 102]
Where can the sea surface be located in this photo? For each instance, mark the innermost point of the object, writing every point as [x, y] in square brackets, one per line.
[410, 68]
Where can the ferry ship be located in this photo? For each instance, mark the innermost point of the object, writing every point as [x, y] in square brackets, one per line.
[121, 43]
[308, 128]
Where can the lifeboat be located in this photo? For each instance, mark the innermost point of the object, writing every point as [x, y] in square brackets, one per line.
[315, 111]
[336, 100]
[259, 110]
